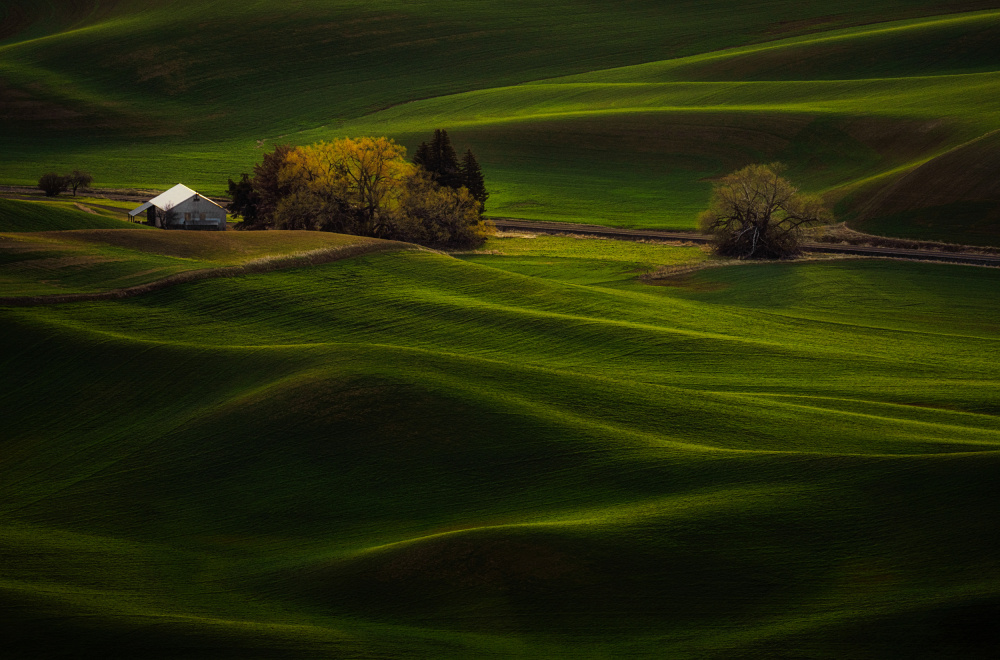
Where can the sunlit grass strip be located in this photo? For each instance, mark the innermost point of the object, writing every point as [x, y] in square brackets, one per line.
[857, 37]
[963, 96]
[255, 266]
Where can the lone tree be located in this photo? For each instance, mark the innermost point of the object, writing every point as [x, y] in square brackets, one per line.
[78, 179]
[756, 214]
[52, 184]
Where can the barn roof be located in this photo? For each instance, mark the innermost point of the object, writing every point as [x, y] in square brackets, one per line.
[139, 209]
[176, 195]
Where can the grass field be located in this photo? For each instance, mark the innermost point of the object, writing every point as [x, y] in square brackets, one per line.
[413, 455]
[569, 123]
[918, 205]
[99, 260]
[24, 216]
[581, 260]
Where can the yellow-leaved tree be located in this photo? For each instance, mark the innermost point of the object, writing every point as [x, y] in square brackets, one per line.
[349, 185]
[365, 186]
[439, 215]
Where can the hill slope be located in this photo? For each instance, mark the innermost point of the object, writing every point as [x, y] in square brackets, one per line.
[88, 263]
[956, 196]
[18, 216]
[154, 60]
[407, 455]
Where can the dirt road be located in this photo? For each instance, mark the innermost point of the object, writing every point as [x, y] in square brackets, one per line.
[831, 248]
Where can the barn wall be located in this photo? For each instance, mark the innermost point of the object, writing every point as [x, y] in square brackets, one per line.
[215, 216]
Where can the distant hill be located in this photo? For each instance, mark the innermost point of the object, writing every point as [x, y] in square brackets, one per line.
[230, 68]
[955, 196]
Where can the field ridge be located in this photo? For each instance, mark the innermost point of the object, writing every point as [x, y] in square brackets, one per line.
[256, 266]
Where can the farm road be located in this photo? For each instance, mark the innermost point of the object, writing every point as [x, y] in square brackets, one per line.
[960, 257]
[656, 235]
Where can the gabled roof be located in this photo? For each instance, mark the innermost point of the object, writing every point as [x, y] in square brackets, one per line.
[176, 195]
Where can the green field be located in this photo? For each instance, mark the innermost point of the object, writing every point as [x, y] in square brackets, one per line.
[25, 216]
[97, 256]
[416, 455]
[570, 123]
[309, 445]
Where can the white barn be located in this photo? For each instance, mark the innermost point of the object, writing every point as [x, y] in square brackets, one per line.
[182, 208]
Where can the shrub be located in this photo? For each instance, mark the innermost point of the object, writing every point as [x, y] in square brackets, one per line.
[52, 184]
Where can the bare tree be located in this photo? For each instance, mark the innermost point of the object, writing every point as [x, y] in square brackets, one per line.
[756, 214]
[164, 216]
[78, 179]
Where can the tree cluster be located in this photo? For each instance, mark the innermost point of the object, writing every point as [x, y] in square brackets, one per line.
[52, 184]
[441, 161]
[756, 214]
[361, 186]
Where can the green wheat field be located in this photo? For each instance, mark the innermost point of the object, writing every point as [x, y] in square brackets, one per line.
[327, 446]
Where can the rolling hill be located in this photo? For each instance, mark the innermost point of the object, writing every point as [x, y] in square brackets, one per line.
[79, 262]
[578, 111]
[24, 216]
[406, 454]
[955, 195]
[302, 444]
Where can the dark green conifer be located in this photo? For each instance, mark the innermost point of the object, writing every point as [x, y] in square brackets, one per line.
[472, 178]
[441, 160]
[245, 200]
[422, 157]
